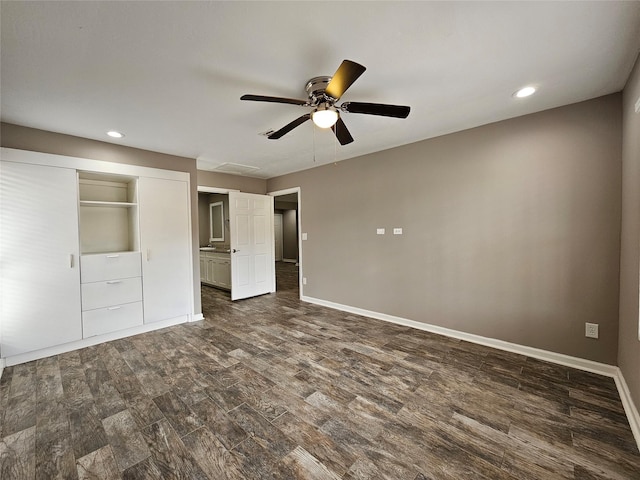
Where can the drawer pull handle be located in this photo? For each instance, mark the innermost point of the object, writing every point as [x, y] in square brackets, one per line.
[114, 308]
[113, 256]
[113, 282]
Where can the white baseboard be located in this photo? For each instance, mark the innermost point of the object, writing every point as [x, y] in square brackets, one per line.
[553, 357]
[196, 317]
[629, 407]
[88, 342]
[290, 260]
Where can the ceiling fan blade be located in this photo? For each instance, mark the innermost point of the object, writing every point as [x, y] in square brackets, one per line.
[398, 111]
[290, 126]
[342, 132]
[347, 73]
[262, 98]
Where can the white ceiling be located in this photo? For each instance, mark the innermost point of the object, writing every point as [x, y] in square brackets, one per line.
[170, 74]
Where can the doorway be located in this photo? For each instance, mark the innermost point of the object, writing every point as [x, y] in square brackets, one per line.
[287, 211]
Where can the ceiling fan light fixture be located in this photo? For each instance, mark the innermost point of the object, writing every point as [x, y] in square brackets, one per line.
[115, 134]
[325, 117]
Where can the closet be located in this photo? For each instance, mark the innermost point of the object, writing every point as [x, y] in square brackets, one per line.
[90, 251]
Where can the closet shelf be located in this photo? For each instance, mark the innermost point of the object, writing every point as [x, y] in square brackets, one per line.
[95, 203]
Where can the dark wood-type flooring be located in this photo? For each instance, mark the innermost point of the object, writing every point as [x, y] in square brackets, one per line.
[272, 387]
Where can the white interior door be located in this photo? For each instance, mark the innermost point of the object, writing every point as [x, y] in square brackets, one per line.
[277, 228]
[165, 239]
[252, 254]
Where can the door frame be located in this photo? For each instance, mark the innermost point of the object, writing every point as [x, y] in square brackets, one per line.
[287, 191]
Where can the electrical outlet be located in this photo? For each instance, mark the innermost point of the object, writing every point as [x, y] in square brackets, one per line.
[380, 231]
[591, 330]
[397, 231]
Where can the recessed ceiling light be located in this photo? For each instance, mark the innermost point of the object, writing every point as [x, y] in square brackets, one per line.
[114, 134]
[525, 92]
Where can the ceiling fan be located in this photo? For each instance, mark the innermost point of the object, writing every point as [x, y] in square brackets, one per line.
[323, 93]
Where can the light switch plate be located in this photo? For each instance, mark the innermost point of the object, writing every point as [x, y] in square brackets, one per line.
[304, 236]
[397, 231]
[380, 231]
[591, 330]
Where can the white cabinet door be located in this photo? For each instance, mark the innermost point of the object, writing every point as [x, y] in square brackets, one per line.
[225, 273]
[39, 257]
[203, 268]
[165, 239]
[251, 229]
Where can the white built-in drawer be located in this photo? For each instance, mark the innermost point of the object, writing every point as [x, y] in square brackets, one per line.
[109, 266]
[111, 319]
[111, 292]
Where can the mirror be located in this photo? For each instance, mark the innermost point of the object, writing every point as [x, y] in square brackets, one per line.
[216, 222]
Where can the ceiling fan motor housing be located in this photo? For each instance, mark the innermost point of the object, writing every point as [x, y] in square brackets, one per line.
[316, 90]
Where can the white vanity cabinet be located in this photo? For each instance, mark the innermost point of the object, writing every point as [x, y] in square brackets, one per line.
[39, 258]
[90, 251]
[215, 269]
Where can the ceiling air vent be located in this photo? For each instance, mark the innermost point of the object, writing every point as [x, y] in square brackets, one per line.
[235, 169]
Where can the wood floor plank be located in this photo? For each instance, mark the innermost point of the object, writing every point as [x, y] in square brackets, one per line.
[212, 456]
[219, 422]
[146, 469]
[261, 431]
[127, 443]
[98, 465]
[17, 454]
[321, 446]
[306, 466]
[169, 453]
[21, 402]
[54, 449]
[87, 431]
[182, 419]
[151, 381]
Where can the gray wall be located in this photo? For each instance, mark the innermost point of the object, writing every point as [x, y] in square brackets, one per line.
[204, 199]
[511, 230]
[14, 136]
[289, 235]
[629, 348]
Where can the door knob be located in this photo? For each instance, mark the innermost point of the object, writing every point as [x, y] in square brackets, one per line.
[234, 250]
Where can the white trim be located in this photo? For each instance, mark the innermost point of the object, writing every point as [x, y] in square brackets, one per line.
[88, 165]
[203, 189]
[196, 317]
[290, 260]
[558, 358]
[629, 407]
[87, 342]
